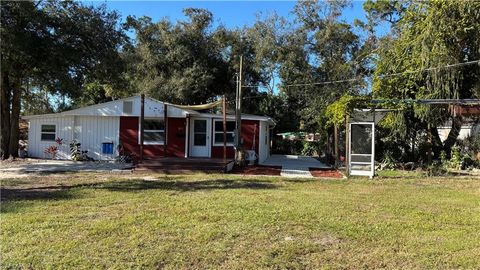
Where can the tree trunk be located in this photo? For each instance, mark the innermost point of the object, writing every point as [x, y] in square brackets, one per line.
[436, 142]
[15, 118]
[4, 116]
[453, 134]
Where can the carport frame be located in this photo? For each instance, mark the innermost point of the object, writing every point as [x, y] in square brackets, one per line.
[376, 102]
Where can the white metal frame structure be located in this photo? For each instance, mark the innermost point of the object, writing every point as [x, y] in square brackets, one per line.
[352, 165]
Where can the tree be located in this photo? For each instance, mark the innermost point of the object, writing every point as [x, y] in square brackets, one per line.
[54, 46]
[319, 48]
[426, 35]
[181, 63]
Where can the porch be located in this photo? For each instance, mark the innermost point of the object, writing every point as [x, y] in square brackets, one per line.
[169, 165]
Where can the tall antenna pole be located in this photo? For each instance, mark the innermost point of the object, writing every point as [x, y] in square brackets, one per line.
[238, 108]
[142, 122]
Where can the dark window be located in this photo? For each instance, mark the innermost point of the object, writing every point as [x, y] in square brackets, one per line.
[48, 133]
[200, 139]
[153, 136]
[219, 126]
[218, 131]
[200, 126]
[154, 124]
[219, 138]
[154, 131]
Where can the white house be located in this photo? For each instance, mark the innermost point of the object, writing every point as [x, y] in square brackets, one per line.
[178, 132]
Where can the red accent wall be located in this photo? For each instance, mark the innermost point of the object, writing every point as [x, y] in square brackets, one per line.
[175, 138]
[250, 128]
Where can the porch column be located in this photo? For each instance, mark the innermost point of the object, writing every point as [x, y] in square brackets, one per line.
[187, 135]
[165, 122]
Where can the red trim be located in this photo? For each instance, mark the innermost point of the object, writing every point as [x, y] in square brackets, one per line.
[176, 133]
[248, 129]
[175, 137]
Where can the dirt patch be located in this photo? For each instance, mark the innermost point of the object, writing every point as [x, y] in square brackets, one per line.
[325, 173]
[258, 170]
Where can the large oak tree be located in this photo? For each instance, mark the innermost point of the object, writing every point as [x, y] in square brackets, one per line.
[54, 46]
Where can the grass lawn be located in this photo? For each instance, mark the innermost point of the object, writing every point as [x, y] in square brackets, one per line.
[86, 221]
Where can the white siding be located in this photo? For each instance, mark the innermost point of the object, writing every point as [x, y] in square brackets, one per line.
[90, 131]
[466, 131]
[264, 141]
[63, 129]
[153, 108]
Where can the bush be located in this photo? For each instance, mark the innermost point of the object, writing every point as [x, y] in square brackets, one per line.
[296, 147]
[456, 159]
[77, 154]
[388, 162]
[311, 148]
[437, 168]
[287, 147]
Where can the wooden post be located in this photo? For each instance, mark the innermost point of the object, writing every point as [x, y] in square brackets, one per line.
[165, 129]
[224, 112]
[142, 119]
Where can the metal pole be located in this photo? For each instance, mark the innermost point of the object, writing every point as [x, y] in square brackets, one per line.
[142, 119]
[238, 109]
[165, 129]
[224, 109]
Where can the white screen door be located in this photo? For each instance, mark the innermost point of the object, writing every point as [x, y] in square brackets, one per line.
[362, 149]
[200, 137]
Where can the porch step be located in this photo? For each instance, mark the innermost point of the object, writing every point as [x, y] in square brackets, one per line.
[164, 170]
[183, 165]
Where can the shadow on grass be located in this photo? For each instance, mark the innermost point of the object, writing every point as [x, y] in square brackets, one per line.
[130, 185]
[140, 184]
[300, 180]
[43, 193]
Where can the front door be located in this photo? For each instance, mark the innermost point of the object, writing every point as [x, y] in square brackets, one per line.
[200, 137]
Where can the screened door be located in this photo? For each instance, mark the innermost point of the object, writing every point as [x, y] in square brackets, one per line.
[362, 149]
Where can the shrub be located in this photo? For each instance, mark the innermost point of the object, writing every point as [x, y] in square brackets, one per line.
[77, 154]
[456, 158]
[287, 147]
[437, 168]
[388, 162]
[311, 148]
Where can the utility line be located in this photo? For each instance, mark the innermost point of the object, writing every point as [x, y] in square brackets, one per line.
[381, 76]
[430, 69]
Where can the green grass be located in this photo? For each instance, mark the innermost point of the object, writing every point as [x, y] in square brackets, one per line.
[88, 221]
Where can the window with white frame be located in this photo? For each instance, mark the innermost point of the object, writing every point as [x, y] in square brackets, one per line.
[218, 132]
[153, 131]
[48, 133]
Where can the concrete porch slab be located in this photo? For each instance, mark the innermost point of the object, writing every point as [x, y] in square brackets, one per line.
[293, 165]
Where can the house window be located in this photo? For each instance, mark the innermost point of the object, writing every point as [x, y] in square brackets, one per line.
[218, 132]
[153, 131]
[48, 133]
